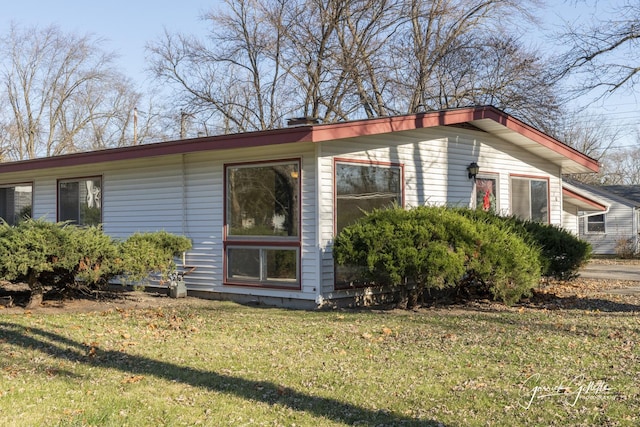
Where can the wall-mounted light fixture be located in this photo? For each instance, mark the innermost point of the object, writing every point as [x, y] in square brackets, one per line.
[473, 170]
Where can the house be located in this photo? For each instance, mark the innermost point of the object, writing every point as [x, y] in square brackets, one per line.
[262, 208]
[615, 228]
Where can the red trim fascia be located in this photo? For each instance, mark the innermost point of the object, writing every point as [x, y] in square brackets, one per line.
[574, 195]
[211, 143]
[541, 138]
[310, 133]
[445, 118]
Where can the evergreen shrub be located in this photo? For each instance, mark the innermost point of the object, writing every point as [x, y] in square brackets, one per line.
[562, 253]
[145, 253]
[435, 248]
[60, 255]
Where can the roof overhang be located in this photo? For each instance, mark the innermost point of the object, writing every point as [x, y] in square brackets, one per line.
[488, 119]
[584, 201]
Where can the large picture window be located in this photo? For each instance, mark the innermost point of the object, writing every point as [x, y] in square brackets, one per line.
[530, 199]
[363, 187]
[80, 201]
[262, 200]
[15, 202]
[263, 224]
[360, 188]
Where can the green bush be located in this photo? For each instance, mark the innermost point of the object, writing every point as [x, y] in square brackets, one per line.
[434, 248]
[562, 253]
[144, 253]
[45, 254]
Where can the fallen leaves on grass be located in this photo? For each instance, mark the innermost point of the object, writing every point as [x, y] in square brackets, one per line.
[132, 379]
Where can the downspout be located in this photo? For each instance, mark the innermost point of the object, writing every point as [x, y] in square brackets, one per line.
[185, 225]
[636, 232]
[184, 195]
[594, 213]
[591, 213]
[319, 273]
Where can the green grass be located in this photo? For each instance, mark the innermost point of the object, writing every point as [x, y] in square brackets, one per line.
[226, 364]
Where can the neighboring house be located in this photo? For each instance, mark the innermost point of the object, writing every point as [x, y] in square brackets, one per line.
[616, 228]
[262, 208]
[577, 203]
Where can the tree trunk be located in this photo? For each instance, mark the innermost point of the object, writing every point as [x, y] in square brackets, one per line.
[36, 298]
[412, 298]
[37, 291]
[409, 295]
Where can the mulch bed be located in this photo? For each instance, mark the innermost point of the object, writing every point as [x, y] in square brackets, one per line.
[576, 294]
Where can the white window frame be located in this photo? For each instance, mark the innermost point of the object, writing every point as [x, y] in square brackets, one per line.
[587, 219]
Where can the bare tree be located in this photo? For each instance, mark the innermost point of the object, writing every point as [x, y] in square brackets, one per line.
[603, 56]
[621, 167]
[342, 59]
[60, 94]
[235, 84]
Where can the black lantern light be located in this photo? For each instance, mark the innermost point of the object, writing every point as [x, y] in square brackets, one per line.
[473, 170]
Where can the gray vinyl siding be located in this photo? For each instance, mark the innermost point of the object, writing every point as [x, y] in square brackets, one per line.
[622, 221]
[570, 218]
[183, 194]
[619, 224]
[435, 162]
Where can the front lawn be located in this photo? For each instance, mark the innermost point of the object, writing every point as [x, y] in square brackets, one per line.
[223, 364]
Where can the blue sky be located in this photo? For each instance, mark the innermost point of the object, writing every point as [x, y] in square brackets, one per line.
[129, 25]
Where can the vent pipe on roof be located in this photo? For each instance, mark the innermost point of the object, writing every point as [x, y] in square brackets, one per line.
[302, 121]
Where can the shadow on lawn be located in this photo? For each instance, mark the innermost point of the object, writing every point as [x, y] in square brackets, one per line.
[261, 391]
[549, 301]
[555, 302]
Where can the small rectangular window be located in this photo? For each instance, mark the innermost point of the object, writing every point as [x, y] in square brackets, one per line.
[80, 201]
[487, 194]
[274, 267]
[596, 223]
[15, 202]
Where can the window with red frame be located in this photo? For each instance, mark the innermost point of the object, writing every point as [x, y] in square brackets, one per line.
[530, 199]
[486, 194]
[262, 222]
[360, 188]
